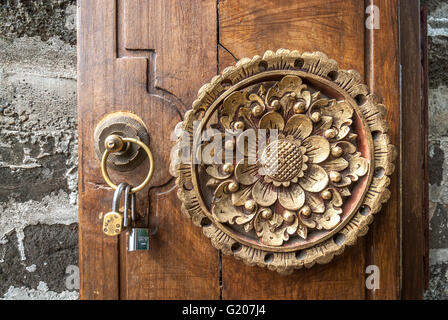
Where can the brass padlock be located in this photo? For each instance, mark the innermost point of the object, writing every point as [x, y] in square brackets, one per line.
[113, 221]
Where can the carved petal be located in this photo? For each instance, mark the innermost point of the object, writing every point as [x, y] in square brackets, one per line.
[246, 173]
[317, 149]
[272, 120]
[264, 194]
[292, 198]
[300, 126]
[347, 147]
[315, 179]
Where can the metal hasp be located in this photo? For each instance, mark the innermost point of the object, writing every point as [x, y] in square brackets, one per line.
[122, 124]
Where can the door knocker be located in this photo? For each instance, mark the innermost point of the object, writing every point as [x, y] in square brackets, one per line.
[283, 160]
[121, 143]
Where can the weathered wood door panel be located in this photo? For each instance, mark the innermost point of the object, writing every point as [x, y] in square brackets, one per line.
[150, 57]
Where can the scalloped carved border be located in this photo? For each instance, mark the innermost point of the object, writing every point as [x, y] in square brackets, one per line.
[320, 65]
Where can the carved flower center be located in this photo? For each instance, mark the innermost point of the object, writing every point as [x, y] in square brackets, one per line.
[282, 160]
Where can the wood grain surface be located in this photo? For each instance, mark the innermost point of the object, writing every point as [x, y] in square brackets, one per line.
[248, 28]
[130, 61]
[151, 57]
[383, 78]
[413, 154]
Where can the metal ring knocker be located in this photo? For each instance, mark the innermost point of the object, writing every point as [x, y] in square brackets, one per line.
[115, 143]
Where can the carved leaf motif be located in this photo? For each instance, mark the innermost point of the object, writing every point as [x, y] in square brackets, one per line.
[286, 85]
[302, 231]
[225, 212]
[328, 220]
[230, 107]
[340, 111]
[213, 183]
[315, 202]
[323, 125]
[307, 222]
[358, 166]
[337, 199]
[318, 103]
[273, 232]
[240, 197]
[214, 171]
[338, 164]
[221, 190]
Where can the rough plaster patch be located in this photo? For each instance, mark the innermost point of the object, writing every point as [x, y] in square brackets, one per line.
[53, 209]
[61, 142]
[439, 10]
[31, 268]
[52, 58]
[42, 18]
[40, 293]
[38, 111]
[438, 121]
[439, 192]
[434, 32]
[70, 17]
[437, 256]
[438, 21]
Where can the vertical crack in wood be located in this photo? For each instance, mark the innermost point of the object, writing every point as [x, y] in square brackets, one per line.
[220, 284]
[369, 79]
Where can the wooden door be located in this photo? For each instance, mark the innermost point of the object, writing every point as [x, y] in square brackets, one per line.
[150, 57]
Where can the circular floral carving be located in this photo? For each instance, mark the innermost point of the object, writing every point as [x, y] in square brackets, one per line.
[311, 180]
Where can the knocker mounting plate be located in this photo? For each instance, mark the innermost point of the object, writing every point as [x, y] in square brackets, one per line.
[283, 160]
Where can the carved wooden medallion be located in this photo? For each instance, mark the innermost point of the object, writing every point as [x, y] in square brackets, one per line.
[283, 160]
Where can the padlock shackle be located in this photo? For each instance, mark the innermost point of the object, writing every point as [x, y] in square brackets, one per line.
[133, 200]
[117, 196]
[127, 194]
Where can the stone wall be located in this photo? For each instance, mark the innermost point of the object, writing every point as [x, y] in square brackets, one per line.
[438, 147]
[38, 149]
